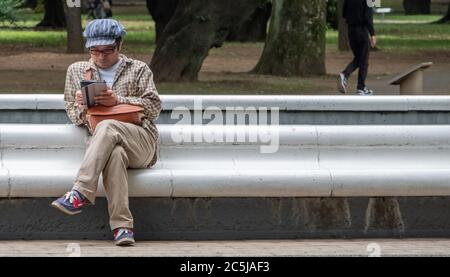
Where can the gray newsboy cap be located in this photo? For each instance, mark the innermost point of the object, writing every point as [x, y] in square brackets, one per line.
[103, 32]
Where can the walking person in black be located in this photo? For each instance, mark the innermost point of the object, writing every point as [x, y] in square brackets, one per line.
[361, 32]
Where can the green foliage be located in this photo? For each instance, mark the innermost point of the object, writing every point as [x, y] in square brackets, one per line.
[8, 11]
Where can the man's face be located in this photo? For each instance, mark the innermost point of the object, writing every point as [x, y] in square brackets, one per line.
[105, 56]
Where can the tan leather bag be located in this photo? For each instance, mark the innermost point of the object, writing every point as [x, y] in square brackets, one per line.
[122, 112]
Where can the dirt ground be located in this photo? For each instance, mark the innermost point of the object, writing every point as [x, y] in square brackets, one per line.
[44, 71]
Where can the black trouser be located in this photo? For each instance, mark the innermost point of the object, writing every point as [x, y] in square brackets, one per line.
[359, 42]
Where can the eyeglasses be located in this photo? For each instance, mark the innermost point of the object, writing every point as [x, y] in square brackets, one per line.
[106, 52]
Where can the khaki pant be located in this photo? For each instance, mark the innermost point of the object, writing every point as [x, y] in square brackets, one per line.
[114, 147]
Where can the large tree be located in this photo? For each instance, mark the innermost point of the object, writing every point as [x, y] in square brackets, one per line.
[417, 6]
[254, 28]
[295, 45]
[53, 14]
[195, 28]
[74, 29]
[343, 42]
[161, 12]
[446, 17]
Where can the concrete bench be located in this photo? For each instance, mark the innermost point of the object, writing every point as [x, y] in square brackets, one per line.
[411, 81]
[311, 161]
[384, 146]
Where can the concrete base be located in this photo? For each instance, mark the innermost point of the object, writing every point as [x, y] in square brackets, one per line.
[413, 85]
[235, 218]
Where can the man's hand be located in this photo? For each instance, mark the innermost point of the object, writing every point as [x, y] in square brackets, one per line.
[108, 98]
[373, 41]
[79, 100]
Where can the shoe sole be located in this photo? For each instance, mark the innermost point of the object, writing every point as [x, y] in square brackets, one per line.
[62, 209]
[341, 87]
[125, 242]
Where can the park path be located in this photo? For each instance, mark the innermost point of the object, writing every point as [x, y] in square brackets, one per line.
[277, 248]
[40, 72]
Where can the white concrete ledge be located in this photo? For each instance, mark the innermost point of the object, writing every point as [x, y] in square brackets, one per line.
[384, 135]
[283, 102]
[312, 102]
[31, 102]
[42, 136]
[70, 136]
[311, 161]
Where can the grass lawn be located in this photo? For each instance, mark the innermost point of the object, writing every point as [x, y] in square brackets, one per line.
[141, 32]
[407, 18]
[392, 37]
[437, 6]
[410, 38]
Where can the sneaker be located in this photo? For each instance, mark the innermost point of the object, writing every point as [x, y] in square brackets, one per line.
[70, 203]
[342, 83]
[123, 237]
[365, 92]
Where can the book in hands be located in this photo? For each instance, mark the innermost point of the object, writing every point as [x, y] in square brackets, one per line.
[90, 89]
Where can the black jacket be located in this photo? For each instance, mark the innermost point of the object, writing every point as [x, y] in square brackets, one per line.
[358, 13]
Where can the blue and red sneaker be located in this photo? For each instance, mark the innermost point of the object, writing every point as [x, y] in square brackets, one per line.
[124, 237]
[70, 203]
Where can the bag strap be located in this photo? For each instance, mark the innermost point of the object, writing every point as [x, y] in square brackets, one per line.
[88, 74]
[88, 77]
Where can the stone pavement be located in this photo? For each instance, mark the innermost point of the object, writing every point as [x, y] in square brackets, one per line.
[363, 247]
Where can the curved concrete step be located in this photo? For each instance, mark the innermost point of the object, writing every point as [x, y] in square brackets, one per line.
[320, 161]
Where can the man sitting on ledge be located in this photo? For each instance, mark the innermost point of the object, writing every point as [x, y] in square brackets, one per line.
[114, 145]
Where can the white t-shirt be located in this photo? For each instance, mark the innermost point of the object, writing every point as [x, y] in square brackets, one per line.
[109, 74]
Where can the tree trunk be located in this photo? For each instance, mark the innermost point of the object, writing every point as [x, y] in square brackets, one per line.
[296, 41]
[255, 27]
[446, 17]
[161, 12]
[74, 30]
[54, 14]
[417, 6]
[343, 42]
[196, 27]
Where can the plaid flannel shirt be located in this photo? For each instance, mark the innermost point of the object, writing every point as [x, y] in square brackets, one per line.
[133, 85]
